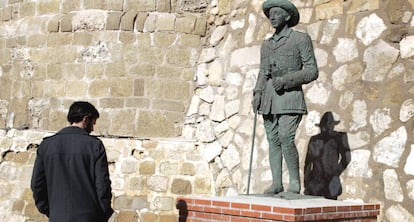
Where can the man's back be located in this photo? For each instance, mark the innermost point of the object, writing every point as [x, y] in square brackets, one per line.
[75, 170]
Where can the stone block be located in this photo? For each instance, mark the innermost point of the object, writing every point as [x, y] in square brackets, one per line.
[130, 202]
[140, 21]
[141, 5]
[169, 168]
[66, 23]
[127, 37]
[22, 157]
[7, 13]
[123, 122]
[164, 40]
[144, 40]
[18, 206]
[48, 7]
[82, 38]
[72, 71]
[179, 57]
[59, 39]
[76, 88]
[70, 5]
[164, 6]
[200, 26]
[165, 22]
[149, 144]
[168, 218]
[147, 168]
[127, 216]
[188, 169]
[329, 10]
[121, 87]
[203, 185]
[115, 69]
[27, 9]
[114, 5]
[137, 102]
[129, 166]
[150, 23]
[54, 71]
[139, 87]
[149, 216]
[99, 88]
[36, 40]
[113, 20]
[157, 183]
[53, 24]
[164, 203]
[169, 72]
[128, 19]
[94, 70]
[181, 187]
[178, 90]
[175, 106]
[136, 184]
[185, 24]
[190, 41]
[111, 103]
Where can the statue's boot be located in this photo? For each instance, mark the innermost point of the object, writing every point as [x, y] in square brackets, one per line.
[275, 161]
[292, 162]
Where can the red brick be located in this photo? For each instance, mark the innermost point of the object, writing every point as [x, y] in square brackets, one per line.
[328, 209]
[261, 207]
[212, 210]
[240, 205]
[313, 210]
[202, 202]
[283, 210]
[251, 214]
[272, 216]
[231, 212]
[221, 203]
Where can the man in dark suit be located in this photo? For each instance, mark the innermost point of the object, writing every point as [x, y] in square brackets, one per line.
[70, 180]
[287, 62]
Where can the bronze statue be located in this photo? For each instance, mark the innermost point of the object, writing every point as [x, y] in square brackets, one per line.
[287, 61]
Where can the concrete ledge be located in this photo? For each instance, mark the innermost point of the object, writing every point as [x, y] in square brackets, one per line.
[283, 207]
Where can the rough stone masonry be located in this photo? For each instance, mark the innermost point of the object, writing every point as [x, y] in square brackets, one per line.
[184, 70]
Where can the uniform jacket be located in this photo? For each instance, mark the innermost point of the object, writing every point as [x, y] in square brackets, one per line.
[70, 180]
[291, 54]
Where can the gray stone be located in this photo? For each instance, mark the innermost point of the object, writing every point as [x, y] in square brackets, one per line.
[232, 108]
[245, 57]
[359, 166]
[380, 120]
[379, 59]
[205, 131]
[157, 183]
[211, 151]
[215, 73]
[409, 164]
[392, 186]
[163, 203]
[218, 35]
[230, 157]
[321, 57]
[312, 119]
[169, 168]
[407, 110]
[91, 20]
[389, 149]
[207, 55]
[359, 115]
[217, 109]
[250, 33]
[370, 28]
[410, 189]
[319, 93]
[346, 50]
[397, 213]
[129, 166]
[407, 46]
[329, 31]
[346, 99]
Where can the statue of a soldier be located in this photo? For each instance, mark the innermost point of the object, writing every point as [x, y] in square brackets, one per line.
[287, 61]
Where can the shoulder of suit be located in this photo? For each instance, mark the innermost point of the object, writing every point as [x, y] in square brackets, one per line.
[299, 33]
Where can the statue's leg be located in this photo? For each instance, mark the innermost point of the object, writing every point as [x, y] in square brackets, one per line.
[275, 154]
[288, 125]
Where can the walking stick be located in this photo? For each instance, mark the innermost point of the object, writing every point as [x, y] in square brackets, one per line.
[251, 153]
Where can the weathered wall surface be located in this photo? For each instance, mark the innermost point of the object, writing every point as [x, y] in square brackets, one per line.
[364, 50]
[134, 59]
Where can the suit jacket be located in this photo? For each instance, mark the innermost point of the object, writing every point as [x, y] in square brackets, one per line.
[290, 53]
[70, 180]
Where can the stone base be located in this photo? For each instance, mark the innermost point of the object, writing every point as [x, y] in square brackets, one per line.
[281, 207]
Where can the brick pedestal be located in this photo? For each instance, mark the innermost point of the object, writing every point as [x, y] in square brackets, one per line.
[280, 208]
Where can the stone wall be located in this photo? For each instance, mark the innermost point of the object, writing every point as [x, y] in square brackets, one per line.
[147, 176]
[364, 50]
[134, 59]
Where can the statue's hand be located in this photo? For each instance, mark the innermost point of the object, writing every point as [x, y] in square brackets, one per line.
[277, 83]
[256, 100]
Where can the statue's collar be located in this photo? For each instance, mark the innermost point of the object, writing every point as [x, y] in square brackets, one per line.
[284, 33]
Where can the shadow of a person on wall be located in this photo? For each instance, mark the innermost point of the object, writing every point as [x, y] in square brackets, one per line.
[327, 157]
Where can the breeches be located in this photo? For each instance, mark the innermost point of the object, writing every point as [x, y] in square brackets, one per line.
[280, 132]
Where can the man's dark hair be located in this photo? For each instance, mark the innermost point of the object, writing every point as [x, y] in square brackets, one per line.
[80, 109]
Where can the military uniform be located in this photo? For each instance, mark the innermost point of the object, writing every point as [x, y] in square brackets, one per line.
[289, 56]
